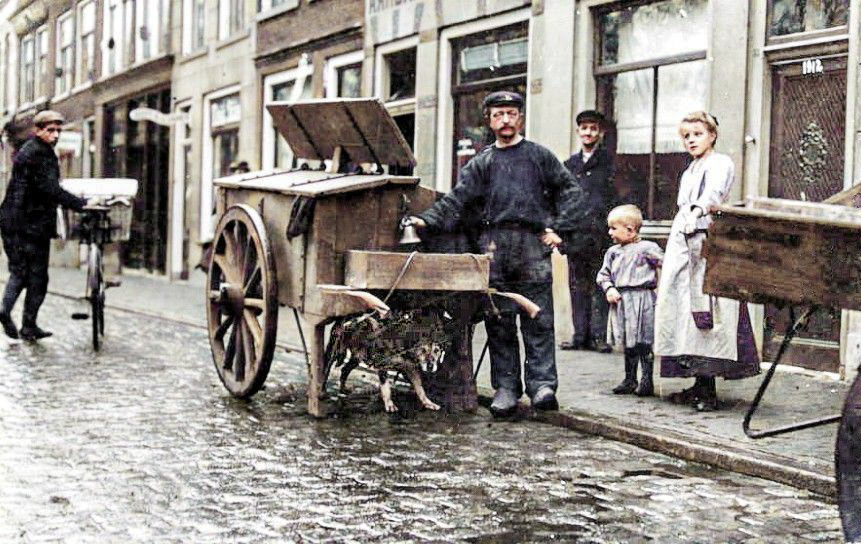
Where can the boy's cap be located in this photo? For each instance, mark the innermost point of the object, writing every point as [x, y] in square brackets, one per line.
[591, 115]
[48, 116]
[502, 98]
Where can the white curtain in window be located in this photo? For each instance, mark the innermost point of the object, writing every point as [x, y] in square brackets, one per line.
[662, 29]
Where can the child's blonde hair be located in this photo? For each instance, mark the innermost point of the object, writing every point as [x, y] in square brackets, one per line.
[704, 117]
[628, 215]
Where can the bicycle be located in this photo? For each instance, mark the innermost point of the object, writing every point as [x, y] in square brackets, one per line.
[95, 231]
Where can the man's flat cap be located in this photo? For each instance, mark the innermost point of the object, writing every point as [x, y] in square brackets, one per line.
[503, 98]
[593, 116]
[48, 116]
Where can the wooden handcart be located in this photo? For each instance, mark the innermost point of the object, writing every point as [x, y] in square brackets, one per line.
[802, 254]
[318, 239]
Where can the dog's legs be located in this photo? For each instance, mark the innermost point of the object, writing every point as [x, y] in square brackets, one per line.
[386, 392]
[348, 367]
[416, 379]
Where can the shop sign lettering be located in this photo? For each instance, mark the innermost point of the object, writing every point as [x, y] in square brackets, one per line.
[392, 19]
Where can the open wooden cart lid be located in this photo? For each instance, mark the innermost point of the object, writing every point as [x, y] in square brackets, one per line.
[311, 183]
[361, 126]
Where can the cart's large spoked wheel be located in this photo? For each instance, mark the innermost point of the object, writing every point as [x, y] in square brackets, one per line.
[242, 305]
[848, 463]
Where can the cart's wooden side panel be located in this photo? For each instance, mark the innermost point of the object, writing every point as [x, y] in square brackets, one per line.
[289, 255]
[760, 257]
[427, 271]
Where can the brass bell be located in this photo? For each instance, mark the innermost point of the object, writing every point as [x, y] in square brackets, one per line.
[408, 232]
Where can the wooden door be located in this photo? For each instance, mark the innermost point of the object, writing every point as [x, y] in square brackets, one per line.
[806, 163]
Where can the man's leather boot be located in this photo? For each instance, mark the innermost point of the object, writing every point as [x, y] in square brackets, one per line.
[8, 325]
[33, 333]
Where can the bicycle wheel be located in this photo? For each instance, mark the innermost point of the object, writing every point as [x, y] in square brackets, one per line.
[96, 291]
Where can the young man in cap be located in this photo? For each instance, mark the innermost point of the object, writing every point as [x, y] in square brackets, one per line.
[525, 196]
[28, 221]
[592, 168]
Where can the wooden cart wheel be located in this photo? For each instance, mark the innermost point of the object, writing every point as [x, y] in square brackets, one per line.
[242, 303]
[847, 458]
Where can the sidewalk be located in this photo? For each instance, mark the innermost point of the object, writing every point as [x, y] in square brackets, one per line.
[803, 459]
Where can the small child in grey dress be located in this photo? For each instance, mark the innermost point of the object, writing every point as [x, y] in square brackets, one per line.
[628, 278]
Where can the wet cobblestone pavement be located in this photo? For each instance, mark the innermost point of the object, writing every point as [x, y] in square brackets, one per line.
[140, 443]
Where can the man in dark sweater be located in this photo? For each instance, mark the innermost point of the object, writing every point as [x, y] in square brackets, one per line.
[28, 221]
[592, 168]
[525, 197]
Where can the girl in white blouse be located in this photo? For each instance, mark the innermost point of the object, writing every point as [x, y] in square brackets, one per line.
[698, 335]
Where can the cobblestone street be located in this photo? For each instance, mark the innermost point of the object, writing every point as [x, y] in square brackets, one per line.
[141, 443]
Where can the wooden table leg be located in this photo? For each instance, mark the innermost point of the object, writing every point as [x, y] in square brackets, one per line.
[316, 385]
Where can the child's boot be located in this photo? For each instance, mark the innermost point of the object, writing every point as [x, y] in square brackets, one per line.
[647, 363]
[629, 384]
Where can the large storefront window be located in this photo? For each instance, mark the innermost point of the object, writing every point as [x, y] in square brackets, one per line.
[793, 16]
[140, 150]
[495, 60]
[652, 71]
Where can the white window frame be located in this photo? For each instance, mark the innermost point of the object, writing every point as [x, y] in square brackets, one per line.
[84, 74]
[188, 13]
[445, 110]
[224, 23]
[23, 66]
[381, 69]
[40, 51]
[176, 226]
[154, 15]
[268, 138]
[65, 81]
[11, 72]
[89, 146]
[266, 8]
[330, 70]
[116, 32]
[207, 223]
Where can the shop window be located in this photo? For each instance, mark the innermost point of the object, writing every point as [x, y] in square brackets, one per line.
[652, 72]
[495, 60]
[65, 53]
[793, 16]
[400, 75]
[291, 86]
[86, 42]
[193, 25]
[231, 18]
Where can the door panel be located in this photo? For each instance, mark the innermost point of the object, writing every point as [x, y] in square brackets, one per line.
[806, 163]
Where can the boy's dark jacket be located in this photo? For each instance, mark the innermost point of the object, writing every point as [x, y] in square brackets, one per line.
[595, 177]
[33, 193]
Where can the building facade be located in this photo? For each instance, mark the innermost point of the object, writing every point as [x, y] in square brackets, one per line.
[781, 76]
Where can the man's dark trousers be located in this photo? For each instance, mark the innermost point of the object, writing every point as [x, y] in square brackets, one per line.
[521, 264]
[28, 269]
[590, 306]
